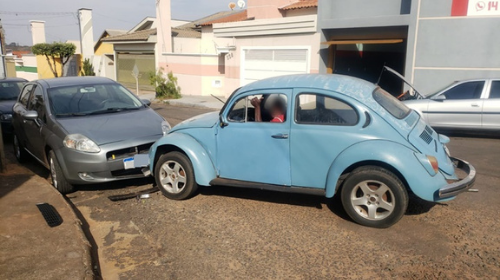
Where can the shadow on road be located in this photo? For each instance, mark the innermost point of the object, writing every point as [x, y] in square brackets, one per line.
[267, 196]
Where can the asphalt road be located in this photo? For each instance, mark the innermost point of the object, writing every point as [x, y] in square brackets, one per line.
[226, 233]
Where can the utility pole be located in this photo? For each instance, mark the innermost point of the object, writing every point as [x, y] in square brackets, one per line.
[3, 74]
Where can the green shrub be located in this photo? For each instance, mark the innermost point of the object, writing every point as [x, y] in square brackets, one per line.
[88, 68]
[165, 87]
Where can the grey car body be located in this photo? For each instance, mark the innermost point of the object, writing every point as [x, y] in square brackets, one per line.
[9, 91]
[464, 105]
[44, 120]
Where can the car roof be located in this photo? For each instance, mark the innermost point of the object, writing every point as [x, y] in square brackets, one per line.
[72, 81]
[474, 80]
[14, 79]
[351, 86]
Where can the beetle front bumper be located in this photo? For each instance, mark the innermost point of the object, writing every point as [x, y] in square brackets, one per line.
[455, 188]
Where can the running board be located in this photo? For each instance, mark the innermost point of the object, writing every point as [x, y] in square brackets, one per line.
[268, 187]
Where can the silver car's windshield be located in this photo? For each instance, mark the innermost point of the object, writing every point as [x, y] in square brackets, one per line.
[91, 100]
[10, 90]
[439, 91]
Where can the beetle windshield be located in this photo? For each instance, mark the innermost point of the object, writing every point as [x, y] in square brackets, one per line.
[10, 90]
[82, 100]
[391, 103]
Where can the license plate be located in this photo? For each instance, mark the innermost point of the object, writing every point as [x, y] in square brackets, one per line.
[128, 163]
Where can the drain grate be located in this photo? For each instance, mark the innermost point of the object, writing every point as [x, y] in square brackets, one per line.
[50, 214]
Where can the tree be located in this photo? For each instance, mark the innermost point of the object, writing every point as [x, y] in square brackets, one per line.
[165, 87]
[88, 68]
[54, 51]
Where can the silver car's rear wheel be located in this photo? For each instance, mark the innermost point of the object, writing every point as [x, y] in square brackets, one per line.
[174, 176]
[373, 196]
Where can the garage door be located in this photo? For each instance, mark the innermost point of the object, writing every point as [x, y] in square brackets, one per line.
[125, 65]
[265, 63]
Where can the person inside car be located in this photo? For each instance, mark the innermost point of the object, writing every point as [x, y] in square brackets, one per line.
[277, 109]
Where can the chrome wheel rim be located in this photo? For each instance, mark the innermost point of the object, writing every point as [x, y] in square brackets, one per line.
[16, 147]
[372, 200]
[53, 172]
[172, 177]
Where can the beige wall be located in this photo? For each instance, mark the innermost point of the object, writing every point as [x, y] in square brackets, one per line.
[196, 74]
[186, 45]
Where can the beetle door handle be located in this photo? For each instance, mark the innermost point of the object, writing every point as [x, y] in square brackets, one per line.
[280, 136]
[475, 105]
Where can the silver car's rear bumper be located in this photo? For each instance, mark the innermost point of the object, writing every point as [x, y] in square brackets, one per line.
[455, 188]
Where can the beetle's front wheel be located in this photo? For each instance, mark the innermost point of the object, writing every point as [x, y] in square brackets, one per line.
[174, 176]
[374, 197]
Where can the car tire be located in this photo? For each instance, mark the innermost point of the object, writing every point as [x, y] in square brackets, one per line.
[174, 176]
[58, 180]
[19, 151]
[373, 196]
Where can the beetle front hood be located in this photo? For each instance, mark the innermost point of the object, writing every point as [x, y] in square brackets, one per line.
[201, 121]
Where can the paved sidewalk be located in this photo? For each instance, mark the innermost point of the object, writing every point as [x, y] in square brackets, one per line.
[30, 249]
[198, 101]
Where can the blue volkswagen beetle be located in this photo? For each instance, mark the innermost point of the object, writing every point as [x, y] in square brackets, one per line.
[316, 134]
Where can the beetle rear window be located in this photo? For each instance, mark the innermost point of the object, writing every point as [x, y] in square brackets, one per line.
[391, 104]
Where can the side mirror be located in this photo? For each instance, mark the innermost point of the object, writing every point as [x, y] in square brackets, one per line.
[146, 102]
[222, 123]
[30, 115]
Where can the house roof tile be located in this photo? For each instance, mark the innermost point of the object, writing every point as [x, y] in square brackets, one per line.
[301, 4]
[142, 35]
[233, 17]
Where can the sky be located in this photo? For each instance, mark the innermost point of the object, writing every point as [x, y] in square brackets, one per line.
[107, 14]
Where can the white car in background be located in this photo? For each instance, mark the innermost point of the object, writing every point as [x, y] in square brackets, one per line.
[464, 105]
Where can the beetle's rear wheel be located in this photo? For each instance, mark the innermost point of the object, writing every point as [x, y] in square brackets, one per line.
[375, 197]
[174, 176]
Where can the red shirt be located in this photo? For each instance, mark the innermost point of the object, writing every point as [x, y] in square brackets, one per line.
[280, 118]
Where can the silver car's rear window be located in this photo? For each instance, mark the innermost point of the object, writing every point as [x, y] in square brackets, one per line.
[391, 103]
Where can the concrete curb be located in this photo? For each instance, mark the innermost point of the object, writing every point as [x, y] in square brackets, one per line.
[87, 257]
[79, 248]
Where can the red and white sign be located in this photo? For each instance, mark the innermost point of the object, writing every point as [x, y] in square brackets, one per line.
[475, 8]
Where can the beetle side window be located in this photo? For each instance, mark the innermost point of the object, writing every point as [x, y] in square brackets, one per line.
[495, 90]
[244, 111]
[469, 90]
[239, 112]
[25, 95]
[319, 109]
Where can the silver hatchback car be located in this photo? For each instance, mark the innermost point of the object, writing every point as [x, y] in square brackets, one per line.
[84, 129]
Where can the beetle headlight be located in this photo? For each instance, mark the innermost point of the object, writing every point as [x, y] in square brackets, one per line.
[165, 127]
[81, 143]
[5, 117]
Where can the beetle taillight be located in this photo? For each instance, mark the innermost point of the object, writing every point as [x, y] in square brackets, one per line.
[434, 163]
